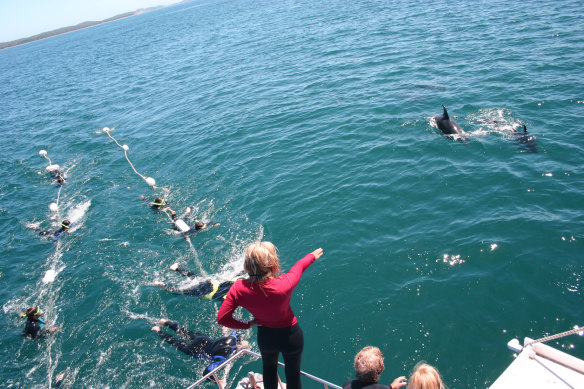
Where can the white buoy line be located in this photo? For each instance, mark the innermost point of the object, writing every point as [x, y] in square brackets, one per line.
[149, 180]
[180, 224]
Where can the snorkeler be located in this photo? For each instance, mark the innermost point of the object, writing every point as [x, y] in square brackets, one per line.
[159, 203]
[192, 229]
[201, 346]
[210, 289]
[56, 174]
[35, 324]
[53, 169]
[65, 226]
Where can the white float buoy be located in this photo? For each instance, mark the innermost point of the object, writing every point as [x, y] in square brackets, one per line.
[43, 153]
[514, 346]
[182, 226]
[106, 129]
[150, 181]
[53, 207]
[52, 168]
[126, 147]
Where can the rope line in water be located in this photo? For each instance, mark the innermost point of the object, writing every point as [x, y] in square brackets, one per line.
[149, 180]
[200, 266]
[191, 247]
[577, 329]
[43, 153]
[58, 213]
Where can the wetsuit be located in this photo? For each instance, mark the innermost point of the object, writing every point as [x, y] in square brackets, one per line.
[34, 328]
[192, 228]
[269, 302]
[208, 289]
[58, 176]
[201, 346]
[356, 384]
[57, 234]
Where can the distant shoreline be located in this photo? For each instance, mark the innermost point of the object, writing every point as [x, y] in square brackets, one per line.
[80, 26]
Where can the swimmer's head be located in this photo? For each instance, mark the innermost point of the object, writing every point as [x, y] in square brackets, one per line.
[261, 261]
[158, 202]
[66, 224]
[199, 225]
[33, 313]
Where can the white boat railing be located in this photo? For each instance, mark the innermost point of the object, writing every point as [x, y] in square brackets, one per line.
[212, 374]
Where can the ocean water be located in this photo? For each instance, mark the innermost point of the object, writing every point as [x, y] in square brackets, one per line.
[308, 124]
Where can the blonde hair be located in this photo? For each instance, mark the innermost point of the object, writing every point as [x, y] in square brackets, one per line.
[369, 365]
[261, 261]
[425, 376]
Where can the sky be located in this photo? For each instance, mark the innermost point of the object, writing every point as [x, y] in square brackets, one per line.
[24, 18]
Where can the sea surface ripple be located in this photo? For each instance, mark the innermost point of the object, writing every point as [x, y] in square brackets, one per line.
[308, 124]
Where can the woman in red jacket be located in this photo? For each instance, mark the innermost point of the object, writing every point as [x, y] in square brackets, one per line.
[266, 295]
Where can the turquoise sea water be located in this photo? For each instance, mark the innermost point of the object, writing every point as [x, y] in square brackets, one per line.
[307, 124]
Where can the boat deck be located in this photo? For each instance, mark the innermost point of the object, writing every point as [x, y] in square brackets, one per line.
[541, 366]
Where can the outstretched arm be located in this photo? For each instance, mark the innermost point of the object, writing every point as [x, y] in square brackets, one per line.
[296, 271]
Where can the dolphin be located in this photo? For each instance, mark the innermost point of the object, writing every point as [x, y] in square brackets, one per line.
[446, 125]
[526, 141]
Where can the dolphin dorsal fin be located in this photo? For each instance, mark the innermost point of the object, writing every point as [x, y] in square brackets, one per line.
[445, 114]
[524, 129]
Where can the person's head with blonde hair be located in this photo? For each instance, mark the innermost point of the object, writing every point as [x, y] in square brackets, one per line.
[369, 365]
[261, 261]
[425, 376]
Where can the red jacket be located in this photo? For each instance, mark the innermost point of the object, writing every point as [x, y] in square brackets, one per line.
[268, 301]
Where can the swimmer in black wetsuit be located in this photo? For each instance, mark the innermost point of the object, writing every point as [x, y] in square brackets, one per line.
[35, 324]
[193, 229]
[201, 346]
[210, 289]
[56, 174]
[159, 204]
[65, 226]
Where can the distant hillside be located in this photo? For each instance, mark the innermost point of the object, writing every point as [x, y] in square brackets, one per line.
[63, 30]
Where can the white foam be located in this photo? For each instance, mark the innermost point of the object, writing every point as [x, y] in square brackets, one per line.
[76, 213]
[50, 276]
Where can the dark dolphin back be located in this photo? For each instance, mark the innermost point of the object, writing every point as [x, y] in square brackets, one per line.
[445, 114]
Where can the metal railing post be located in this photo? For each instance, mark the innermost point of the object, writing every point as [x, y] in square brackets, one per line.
[252, 353]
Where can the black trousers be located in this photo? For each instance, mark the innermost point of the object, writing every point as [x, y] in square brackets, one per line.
[290, 342]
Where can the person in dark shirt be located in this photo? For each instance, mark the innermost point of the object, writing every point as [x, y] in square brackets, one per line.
[368, 368]
[200, 346]
[159, 204]
[56, 174]
[210, 289]
[189, 229]
[65, 226]
[35, 323]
